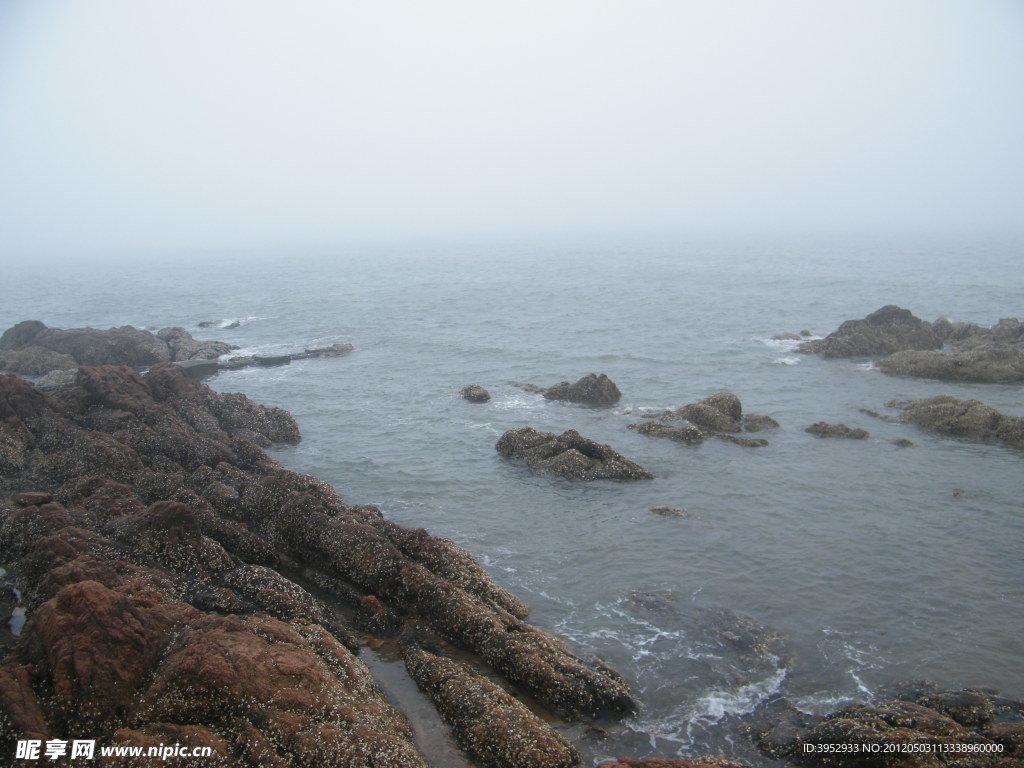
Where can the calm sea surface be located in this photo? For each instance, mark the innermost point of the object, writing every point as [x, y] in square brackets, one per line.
[871, 563]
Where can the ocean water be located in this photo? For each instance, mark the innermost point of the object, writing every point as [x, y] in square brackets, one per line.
[863, 562]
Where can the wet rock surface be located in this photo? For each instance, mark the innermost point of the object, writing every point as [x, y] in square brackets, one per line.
[824, 429]
[886, 330]
[719, 415]
[592, 389]
[493, 728]
[475, 393]
[940, 350]
[968, 419]
[922, 727]
[569, 455]
[147, 530]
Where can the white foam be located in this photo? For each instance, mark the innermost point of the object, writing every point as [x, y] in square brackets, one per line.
[869, 366]
[17, 622]
[791, 360]
[742, 701]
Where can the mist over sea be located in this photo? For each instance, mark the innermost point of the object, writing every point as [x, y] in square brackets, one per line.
[871, 563]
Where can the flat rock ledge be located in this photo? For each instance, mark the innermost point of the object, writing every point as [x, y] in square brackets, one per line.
[942, 350]
[147, 533]
[719, 415]
[592, 389]
[968, 419]
[569, 455]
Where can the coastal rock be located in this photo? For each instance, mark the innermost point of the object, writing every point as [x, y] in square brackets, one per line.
[685, 434]
[969, 419]
[670, 511]
[717, 415]
[184, 347]
[592, 389]
[149, 531]
[887, 330]
[981, 357]
[921, 727]
[493, 728]
[475, 393]
[568, 455]
[940, 350]
[824, 429]
[33, 349]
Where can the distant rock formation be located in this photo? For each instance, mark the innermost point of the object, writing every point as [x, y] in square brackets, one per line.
[940, 350]
[475, 393]
[718, 415]
[887, 330]
[592, 389]
[969, 419]
[32, 349]
[568, 455]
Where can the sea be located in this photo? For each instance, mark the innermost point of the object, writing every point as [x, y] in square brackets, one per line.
[815, 571]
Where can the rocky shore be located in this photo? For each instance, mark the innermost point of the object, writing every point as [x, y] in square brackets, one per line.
[909, 346]
[183, 587]
[30, 348]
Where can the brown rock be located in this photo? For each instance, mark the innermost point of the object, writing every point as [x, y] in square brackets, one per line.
[887, 330]
[592, 389]
[568, 455]
[495, 730]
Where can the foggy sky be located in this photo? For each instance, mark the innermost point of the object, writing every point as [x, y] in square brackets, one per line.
[156, 125]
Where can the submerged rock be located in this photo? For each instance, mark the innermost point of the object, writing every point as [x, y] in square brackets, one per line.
[475, 393]
[670, 511]
[824, 429]
[969, 419]
[569, 455]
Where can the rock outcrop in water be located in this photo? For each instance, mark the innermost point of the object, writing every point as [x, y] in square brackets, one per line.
[969, 419]
[939, 350]
[922, 729]
[592, 389]
[33, 349]
[719, 415]
[887, 330]
[147, 531]
[475, 393]
[569, 455]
